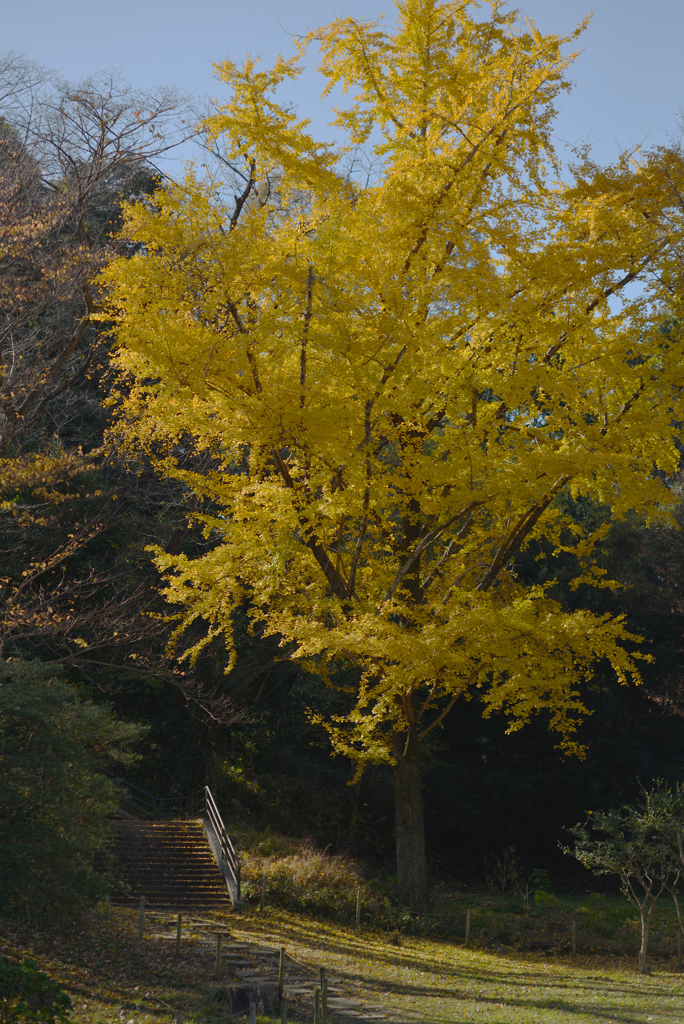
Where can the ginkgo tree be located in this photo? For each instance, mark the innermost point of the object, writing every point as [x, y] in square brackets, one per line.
[398, 376]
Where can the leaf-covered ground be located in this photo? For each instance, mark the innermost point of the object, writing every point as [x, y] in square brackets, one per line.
[113, 977]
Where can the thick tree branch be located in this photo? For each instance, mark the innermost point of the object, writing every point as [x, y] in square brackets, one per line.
[311, 540]
[242, 198]
[432, 536]
[525, 524]
[305, 334]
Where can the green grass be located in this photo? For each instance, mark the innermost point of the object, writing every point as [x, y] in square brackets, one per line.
[427, 979]
[115, 978]
[303, 880]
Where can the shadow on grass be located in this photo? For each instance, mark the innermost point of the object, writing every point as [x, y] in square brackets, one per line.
[447, 980]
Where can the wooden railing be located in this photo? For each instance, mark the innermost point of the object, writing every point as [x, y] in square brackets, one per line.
[140, 804]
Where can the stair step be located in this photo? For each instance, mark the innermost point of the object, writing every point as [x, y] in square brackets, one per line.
[170, 863]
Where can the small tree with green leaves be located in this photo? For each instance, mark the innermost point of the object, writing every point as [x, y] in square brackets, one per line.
[668, 806]
[634, 843]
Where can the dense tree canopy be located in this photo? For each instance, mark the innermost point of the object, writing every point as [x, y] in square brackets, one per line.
[53, 799]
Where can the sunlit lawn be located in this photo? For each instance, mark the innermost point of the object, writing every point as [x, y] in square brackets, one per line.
[428, 980]
[113, 976]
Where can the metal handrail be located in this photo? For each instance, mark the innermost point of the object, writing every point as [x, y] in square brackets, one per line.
[227, 849]
[159, 807]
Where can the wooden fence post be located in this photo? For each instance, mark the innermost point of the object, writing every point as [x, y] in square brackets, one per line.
[469, 915]
[252, 1012]
[178, 934]
[324, 1001]
[141, 922]
[281, 973]
[283, 1011]
[358, 909]
[317, 1007]
[263, 894]
[218, 957]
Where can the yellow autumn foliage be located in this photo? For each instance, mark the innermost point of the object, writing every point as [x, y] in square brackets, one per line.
[398, 376]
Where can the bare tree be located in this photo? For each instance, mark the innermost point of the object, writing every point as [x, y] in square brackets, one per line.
[69, 153]
[20, 77]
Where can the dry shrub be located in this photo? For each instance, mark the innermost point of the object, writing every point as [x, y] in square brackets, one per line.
[300, 877]
[304, 867]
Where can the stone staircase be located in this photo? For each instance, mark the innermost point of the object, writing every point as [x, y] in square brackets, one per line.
[169, 863]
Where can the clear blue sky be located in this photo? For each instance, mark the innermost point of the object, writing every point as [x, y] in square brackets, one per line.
[629, 79]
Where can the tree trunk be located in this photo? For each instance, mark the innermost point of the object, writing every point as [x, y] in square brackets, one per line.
[644, 940]
[409, 828]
